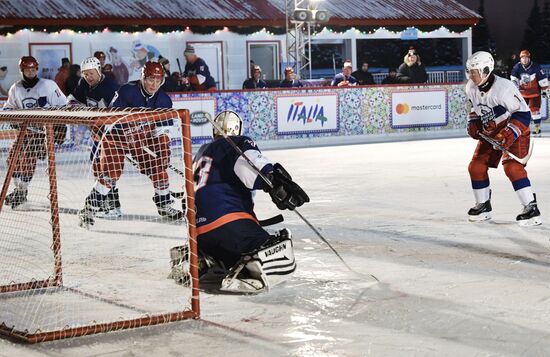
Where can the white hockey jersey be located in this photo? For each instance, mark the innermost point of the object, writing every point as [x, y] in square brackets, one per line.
[502, 101]
[45, 93]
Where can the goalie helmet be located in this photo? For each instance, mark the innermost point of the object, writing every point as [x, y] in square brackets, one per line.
[91, 63]
[229, 122]
[483, 62]
[27, 62]
[153, 69]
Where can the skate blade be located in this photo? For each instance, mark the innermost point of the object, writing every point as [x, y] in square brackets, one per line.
[535, 221]
[480, 218]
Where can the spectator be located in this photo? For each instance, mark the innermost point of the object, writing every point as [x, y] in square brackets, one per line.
[3, 72]
[251, 68]
[256, 81]
[196, 73]
[363, 76]
[391, 78]
[63, 74]
[106, 69]
[170, 82]
[290, 81]
[74, 77]
[345, 78]
[412, 70]
[100, 55]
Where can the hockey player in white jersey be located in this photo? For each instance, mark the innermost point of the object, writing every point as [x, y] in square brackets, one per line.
[31, 92]
[499, 112]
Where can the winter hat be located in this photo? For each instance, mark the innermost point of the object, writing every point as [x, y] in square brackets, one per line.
[189, 50]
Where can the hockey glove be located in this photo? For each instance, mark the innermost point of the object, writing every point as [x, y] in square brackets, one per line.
[507, 136]
[474, 126]
[286, 194]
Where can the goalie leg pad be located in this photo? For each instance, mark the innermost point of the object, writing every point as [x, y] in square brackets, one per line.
[263, 269]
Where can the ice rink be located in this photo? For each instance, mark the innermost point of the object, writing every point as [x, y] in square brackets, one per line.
[396, 210]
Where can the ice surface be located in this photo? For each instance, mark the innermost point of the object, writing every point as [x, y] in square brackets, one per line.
[395, 210]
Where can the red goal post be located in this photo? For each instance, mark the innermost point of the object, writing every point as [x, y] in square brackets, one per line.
[102, 282]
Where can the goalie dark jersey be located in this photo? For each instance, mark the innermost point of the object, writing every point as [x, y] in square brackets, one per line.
[224, 182]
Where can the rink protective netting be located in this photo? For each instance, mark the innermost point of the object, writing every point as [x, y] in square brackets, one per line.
[59, 280]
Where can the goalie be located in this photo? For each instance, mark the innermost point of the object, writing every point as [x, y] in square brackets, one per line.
[228, 230]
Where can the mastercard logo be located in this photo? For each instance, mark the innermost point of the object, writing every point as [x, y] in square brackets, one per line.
[402, 108]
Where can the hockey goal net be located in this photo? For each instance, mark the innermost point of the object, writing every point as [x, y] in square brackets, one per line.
[61, 279]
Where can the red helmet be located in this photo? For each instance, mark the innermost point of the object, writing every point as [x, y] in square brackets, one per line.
[525, 53]
[27, 62]
[152, 69]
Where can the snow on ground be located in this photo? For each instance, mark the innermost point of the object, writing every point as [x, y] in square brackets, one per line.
[397, 211]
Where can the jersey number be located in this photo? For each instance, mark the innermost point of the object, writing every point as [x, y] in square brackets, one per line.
[201, 170]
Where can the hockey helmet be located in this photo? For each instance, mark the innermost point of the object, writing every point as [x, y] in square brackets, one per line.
[483, 62]
[152, 69]
[91, 63]
[27, 62]
[524, 53]
[229, 122]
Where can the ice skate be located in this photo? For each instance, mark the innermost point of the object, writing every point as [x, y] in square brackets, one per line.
[165, 209]
[17, 198]
[111, 208]
[93, 204]
[480, 212]
[530, 216]
[537, 131]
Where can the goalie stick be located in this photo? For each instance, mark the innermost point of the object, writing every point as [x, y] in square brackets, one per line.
[497, 146]
[295, 210]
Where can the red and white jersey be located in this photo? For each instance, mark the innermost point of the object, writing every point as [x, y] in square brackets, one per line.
[502, 101]
[45, 93]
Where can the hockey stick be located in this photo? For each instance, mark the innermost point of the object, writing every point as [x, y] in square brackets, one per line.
[497, 146]
[295, 210]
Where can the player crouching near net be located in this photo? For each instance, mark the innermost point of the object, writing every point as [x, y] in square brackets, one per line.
[227, 227]
[147, 143]
[499, 119]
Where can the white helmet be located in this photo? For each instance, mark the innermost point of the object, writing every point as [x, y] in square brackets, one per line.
[483, 62]
[91, 63]
[228, 121]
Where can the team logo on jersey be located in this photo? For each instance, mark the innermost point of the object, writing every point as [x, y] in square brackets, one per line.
[29, 103]
[200, 118]
[487, 114]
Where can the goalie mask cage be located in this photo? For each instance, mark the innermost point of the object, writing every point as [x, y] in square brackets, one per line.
[59, 280]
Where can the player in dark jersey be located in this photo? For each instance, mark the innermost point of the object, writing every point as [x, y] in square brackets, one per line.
[96, 90]
[227, 227]
[138, 140]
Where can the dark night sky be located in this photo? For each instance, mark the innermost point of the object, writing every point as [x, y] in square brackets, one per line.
[506, 19]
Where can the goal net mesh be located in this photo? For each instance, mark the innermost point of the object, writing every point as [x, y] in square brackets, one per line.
[60, 278]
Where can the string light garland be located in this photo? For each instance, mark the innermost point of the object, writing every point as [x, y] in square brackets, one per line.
[249, 30]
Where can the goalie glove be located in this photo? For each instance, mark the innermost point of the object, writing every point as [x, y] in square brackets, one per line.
[286, 194]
